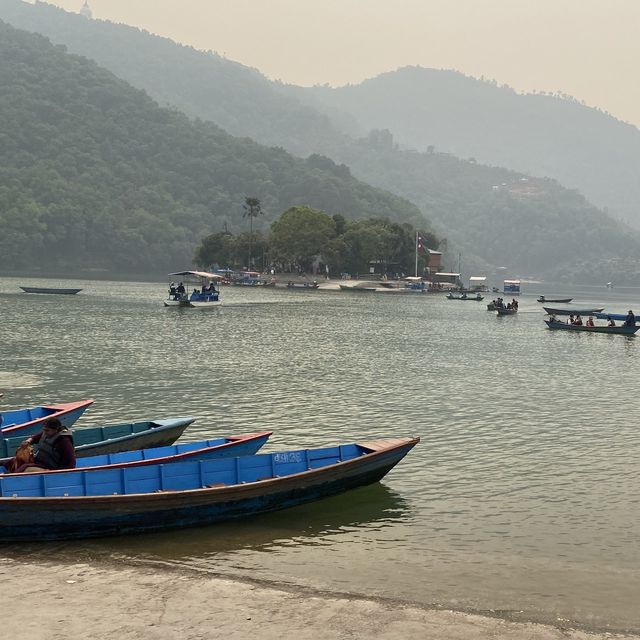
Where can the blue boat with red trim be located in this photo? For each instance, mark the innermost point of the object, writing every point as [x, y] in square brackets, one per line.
[26, 422]
[242, 445]
[159, 497]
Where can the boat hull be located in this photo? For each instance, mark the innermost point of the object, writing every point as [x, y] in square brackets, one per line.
[506, 312]
[115, 438]
[67, 292]
[54, 518]
[622, 330]
[192, 304]
[553, 311]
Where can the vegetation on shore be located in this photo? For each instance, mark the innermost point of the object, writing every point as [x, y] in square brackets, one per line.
[303, 237]
[94, 172]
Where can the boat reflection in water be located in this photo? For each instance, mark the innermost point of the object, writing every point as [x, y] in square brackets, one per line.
[370, 508]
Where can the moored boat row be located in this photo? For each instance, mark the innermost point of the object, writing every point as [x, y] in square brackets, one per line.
[131, 488]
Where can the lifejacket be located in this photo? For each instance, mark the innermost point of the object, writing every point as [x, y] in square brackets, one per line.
[46, 454]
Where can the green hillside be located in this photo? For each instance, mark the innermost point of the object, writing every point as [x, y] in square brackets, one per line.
[493, 216]
[94, 173]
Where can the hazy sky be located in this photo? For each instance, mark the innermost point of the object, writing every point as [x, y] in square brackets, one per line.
[589, 49]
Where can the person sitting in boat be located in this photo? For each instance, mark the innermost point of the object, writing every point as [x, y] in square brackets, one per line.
[173, 294]
[514, 304]
[611, 323]
[589, 322]
[553, 318]
[630, 320]
[180, 290]
[195, 295]
[578, 321]
[54, 448]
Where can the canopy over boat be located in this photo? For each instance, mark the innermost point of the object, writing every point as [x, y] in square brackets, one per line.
[198, 274]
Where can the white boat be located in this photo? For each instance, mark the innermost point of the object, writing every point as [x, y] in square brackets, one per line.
[203, 296]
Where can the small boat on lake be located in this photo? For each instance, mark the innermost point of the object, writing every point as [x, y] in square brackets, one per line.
[464, 296]
[553, 311]
[358, 288]
[624, 330]
[601, 315]
[242, 445]
[556, 300]
[302, 285]
[113, 438]
[26, 422]
[66, 292]
[156, 497]
[204, 294]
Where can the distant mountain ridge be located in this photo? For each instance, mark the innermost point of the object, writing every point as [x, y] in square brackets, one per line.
[487, 212]
[537, 134]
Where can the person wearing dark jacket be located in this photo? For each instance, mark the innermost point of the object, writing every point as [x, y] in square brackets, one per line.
[53, 447]
[630, 320]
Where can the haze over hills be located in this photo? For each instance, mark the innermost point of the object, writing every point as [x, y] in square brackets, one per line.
[93, 173]
[541, 135]
[493, 216]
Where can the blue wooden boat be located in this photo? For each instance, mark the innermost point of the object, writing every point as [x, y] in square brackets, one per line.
[155, 497]
[621, 317]
[26, 422]
[243, 445]
[113, 438]
[621, 330]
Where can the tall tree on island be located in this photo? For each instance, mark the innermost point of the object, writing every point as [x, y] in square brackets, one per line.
[252, 209]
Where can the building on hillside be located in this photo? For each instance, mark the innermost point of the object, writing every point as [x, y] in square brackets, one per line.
[86, 10]
[435, 262]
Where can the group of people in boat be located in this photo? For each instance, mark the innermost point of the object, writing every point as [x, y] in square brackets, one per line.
[207, 293]
[629, 321]
[177, 292]
[53, 448]
[499, 303]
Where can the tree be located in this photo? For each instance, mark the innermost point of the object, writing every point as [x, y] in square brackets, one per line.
[252, 209]
[300, 234]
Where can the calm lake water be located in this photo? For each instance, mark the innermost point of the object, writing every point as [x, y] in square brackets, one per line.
[523, 497]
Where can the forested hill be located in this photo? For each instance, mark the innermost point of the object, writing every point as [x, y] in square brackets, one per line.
[237, 98]
[493, 216]
[544, 135]
[94, 172]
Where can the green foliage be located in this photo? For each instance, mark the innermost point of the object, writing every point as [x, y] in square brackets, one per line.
[300, 234]
[94, 173]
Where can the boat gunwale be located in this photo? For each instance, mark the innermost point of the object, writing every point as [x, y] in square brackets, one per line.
[170, 495]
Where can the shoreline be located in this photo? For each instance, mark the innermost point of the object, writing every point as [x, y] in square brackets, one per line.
[140, 601]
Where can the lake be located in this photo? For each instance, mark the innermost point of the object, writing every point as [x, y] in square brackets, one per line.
[522, 499]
